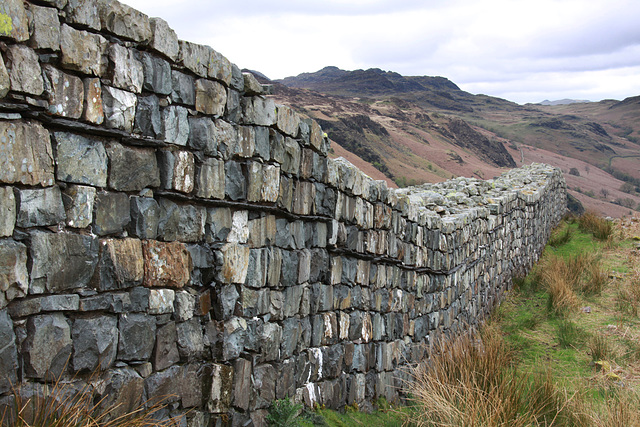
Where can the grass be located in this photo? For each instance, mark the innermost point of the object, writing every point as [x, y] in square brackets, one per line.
[563, 348]
[63, 405]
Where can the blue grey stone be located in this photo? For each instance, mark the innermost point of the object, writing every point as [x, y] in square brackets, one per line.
[95, 342]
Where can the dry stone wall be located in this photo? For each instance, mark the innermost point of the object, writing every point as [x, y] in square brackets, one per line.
[167, 229]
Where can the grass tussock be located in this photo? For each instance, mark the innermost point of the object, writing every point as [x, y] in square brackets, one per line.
[563, 277]
[561, 236]
[472, 381]
[599, 227]
[65, 405]
[600, 348]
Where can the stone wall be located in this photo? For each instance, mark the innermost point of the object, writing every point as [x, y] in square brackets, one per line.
[166, 228]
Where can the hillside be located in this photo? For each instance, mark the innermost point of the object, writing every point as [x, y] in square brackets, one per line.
[416, 129]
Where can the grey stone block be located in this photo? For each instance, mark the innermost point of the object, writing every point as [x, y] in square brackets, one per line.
[39, 207]
[145, 213]
[185, 223]
[7, 211]
[132, 169]
[120, 266]
[95, 342]
[148, 121]
[65, 92]
[5, 82]
[175, 125]
[44, 27]
[157, 74]
[202, 135]
[210, 179]
[183, 88]
[93, 110]
[195, 57]
[190, 340]
[8, 353]
[137, 336]
[83, 12]
[124, 21]
[28, 307]
[219, 222]
[25, 74]
[125, 71]
[166, 350]
[119, 108]
[235, 181]
[83, 51]
[81, 160]
[47, 347]
[123, 392]
[112, 213]
[19, 29]
[211, 97]
[61, 261]
[164, 39]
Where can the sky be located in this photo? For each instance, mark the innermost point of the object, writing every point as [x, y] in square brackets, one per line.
[520, 50]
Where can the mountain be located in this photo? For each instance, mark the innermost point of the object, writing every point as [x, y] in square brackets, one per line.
[414, 129]
[562, 102]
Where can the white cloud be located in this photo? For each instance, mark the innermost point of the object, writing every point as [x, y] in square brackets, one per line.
[516, 49]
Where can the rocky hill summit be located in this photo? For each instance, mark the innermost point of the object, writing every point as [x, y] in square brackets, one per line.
[416, 129]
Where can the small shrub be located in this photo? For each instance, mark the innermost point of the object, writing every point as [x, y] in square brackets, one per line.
[574, 171]
[284, 413]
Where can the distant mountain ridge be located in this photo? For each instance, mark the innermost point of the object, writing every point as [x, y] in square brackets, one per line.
[563, 102]
[372, 81]
[413, 129]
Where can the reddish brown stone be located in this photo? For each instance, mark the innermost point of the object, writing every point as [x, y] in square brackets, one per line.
[204, 303]
[166, 264]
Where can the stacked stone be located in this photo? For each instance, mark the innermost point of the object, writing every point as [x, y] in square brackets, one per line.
[170, 229]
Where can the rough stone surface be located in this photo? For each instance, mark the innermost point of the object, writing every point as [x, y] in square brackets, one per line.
[148, 121]
[132, 169]
[183, 88]
[5, 82]
[93, 111]
[126, 71]
[26, 154]
[8, 353]
[14, 18]
[25, 74]
[124, 21]
[157, 74]
[145, 213]
[7, 211]
[166, 264]
[78, 203]
[163, 38]
[175, 125]
[81, 160]
[119, 108]
[95, 342]
[83, 12]
[65, 92]
[211, 97]
[44, 26]
[181, 222]
[210, 179]
[83, 51]
[195, 57]
[137, 336]
[61, 261]
[47, 346]
[112, 213]
[40, 207]
[166, 351]
[120, 266]
[161, 301]
[14, 279]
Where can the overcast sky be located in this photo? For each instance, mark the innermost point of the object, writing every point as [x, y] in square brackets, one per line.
[521, 50]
